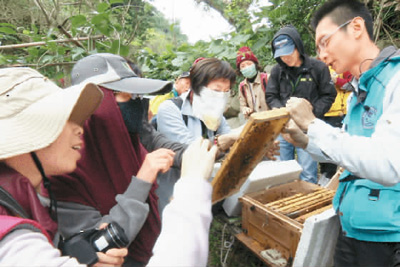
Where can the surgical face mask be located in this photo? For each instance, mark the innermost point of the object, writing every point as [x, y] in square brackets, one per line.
[209, 107]
[250, 71]
[132, 113]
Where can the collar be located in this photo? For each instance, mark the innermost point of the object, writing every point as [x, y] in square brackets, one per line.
[186, 105]
[257, 80]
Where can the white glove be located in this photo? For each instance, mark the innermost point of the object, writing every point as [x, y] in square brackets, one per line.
[294, 135]
[198, 161]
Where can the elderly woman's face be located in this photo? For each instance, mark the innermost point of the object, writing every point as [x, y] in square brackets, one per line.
[62, 155]
[220, 85]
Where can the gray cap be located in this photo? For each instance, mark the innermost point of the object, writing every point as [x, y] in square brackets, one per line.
[113, 72]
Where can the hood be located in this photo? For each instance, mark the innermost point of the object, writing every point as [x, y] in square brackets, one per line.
[292, 32]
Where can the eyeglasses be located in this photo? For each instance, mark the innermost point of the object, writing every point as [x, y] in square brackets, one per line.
[324, 40]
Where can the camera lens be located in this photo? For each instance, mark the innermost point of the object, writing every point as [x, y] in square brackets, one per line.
[113, 236]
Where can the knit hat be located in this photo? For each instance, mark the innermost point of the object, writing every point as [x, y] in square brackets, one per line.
[243, 54]
[34, 110]
[197, 60]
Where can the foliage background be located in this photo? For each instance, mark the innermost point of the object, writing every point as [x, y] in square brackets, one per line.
[135, 29]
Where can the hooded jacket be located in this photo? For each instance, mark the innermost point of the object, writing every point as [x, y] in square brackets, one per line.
[311, 80]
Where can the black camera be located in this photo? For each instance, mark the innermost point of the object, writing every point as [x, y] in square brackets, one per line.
[84, 245]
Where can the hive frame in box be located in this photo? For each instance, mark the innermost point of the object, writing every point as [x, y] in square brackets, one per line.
[256, 137]
[301, 243]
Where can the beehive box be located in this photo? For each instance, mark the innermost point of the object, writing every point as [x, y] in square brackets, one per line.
[273, 220]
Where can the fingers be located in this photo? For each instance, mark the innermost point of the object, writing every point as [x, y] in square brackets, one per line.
[157, 161]
[103, 225]
[198, 159]
[117, 252]
[113, 257]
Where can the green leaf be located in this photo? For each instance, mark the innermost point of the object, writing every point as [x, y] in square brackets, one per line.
[124, 50]
[78, 20]
[8, 25]
[77, 52]
[7, 30]
[3, 60]
[116, 1]
[33, 51]
[101, 23]
[240, 39]
[260, 43]
[46, 59]
[177, 62]
[102, 7]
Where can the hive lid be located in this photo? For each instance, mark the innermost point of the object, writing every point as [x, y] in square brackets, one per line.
[257, 136]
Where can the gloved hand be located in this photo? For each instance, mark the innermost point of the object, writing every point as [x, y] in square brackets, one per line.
[301, 111]
[294, 135]
[198, 161]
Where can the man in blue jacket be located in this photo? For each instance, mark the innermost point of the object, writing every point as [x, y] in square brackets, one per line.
[367, 200]
[296, 74]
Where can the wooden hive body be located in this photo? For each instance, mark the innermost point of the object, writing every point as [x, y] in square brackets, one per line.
[273, 218]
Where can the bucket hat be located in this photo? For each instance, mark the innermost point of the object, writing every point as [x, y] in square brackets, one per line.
[34, 110]
[113, 72]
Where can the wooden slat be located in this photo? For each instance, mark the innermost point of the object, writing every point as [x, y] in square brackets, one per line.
[306, 201]
[257, 136]
[302, 218]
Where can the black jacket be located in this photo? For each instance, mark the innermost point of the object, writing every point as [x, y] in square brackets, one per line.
[152, 139]
[311, 80]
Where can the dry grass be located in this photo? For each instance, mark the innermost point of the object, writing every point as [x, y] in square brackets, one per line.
[225, 250]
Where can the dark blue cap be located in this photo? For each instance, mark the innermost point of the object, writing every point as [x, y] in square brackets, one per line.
[283, 46]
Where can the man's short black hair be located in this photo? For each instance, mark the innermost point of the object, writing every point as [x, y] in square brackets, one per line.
[341, 11]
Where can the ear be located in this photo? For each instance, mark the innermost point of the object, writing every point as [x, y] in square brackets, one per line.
[358, 28]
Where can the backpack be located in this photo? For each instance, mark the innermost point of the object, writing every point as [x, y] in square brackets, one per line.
[178, 102]
[264, 81]
[7, 201]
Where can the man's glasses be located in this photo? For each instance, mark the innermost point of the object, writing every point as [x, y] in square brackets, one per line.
[324, 40]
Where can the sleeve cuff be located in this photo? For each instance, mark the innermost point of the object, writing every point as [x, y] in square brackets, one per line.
[193, 189]
[138, 189]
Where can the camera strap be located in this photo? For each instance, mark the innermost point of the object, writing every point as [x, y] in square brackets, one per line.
[7, 201]
[47, 185]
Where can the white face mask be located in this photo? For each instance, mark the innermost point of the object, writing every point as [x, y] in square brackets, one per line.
[209, 107]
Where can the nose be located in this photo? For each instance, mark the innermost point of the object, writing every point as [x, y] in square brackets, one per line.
[79, 130]
[323, 55]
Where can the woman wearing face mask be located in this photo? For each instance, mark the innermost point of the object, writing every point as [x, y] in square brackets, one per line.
[252, 88]
[201, 113]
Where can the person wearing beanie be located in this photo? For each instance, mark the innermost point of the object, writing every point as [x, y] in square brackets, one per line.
[298, 75]
[252, 88]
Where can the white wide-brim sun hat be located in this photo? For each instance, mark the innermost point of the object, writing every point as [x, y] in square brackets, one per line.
[34, 110]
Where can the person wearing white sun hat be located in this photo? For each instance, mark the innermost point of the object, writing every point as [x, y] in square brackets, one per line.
[41, 128]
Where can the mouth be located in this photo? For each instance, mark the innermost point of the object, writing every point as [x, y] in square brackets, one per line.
[77, 147]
